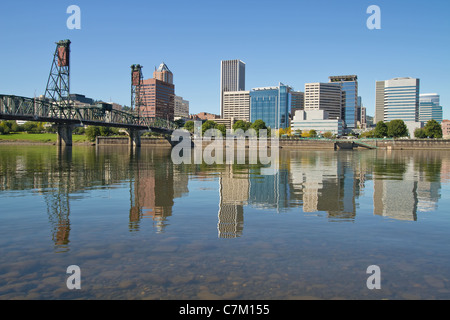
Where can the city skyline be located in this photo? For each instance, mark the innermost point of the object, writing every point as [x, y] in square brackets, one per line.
[102, 49]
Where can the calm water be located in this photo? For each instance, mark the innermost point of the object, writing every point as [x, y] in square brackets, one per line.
[140, 227]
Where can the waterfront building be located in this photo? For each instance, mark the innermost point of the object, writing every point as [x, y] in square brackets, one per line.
[397, 98]
[317, 120]
[232, 78]
[158, 97]
[429, 107]
[445, 125]
[204, 116]
[163, 73]
[350, 111]
[297, 102]
[324, 96]
[181, 108]
[236, 104]
[272, 105]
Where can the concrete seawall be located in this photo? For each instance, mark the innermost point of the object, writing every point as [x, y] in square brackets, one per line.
[308, 144]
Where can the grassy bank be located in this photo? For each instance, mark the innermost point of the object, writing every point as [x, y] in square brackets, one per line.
[38, 137]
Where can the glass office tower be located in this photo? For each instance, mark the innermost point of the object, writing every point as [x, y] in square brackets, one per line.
[272, 105]
[350, 108]
[429, 107]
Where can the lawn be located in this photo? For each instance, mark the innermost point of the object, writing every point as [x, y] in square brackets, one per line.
[38, 137]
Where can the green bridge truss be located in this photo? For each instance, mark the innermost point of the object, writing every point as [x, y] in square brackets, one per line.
[45, 110]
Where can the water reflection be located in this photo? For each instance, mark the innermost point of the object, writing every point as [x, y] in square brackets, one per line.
[403, 183]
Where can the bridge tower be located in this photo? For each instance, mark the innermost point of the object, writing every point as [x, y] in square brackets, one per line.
[58, 90]
[136, 89]
[58, 84]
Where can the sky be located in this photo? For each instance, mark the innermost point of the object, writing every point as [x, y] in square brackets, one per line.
[290, 41]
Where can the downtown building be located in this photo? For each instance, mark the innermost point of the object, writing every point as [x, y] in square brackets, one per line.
[397, 98]
[232, 78]
[181, 109]
[429, 107]
[236, 105]
[324, 96]
[351, 109]
[272, 105]
[158, 95]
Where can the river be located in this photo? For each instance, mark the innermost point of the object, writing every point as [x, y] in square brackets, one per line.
[140, 227]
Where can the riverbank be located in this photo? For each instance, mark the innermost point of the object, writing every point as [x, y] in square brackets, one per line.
[309, 144]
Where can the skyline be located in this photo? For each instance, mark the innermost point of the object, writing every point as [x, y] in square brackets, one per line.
[294, 43]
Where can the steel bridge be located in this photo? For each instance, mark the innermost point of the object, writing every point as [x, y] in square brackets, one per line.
[45, 110]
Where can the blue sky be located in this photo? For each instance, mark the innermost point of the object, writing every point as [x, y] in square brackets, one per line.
[292, 41]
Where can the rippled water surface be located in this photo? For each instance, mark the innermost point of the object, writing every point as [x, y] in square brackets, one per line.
[140, 227]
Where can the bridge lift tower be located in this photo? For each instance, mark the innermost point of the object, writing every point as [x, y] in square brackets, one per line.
[58, 84]
[136, 89]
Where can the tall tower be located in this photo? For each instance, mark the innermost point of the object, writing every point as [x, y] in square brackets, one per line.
[232, 78]
[163, 73]
[350, 110]
[58, 85]
[136, 88]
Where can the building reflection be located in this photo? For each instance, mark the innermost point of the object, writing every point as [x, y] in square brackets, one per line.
[402, 184]
[233, 195]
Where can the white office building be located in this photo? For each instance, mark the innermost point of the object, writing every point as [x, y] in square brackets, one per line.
[318, 120]
[236, 104]
[232, 78]
[398, 98]
[324, 96]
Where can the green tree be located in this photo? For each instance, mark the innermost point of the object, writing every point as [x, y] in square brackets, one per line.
[420, 133]
[258, 125]
[312, 133]
[241, 124]
[433, 129]
[189, 126]
[208, 124]
[92, 132]
[179, 123]
[380, 130]
[222, 129]
[397, 128]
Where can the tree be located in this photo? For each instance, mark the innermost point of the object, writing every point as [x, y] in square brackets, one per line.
[258, 125]
[241, 124]
[312, 133]
[208, 124]
[380, 130]
[189, 126]
[433, 129]
[222, 129]
[93, 132]
[420, 133]
[397, 128]
[328, 135]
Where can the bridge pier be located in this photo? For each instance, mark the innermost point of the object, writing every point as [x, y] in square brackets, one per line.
[135, 138]
[64, 135]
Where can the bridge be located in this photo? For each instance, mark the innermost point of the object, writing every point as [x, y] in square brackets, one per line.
[56, 106]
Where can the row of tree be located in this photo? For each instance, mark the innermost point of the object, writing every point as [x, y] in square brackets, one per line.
[398, 128]
[240, 124]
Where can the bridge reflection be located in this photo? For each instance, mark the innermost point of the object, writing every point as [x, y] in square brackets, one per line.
[398, 184]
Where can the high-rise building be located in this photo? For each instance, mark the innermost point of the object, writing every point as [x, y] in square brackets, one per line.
[158, 96]
[350, 112]
[379, 102]
[324, 96]
[181, 108]
[236, 104]
[163, 73]
[297, 102]
[429, 107]
[232, 78]
[399, 98]
[272, 105]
